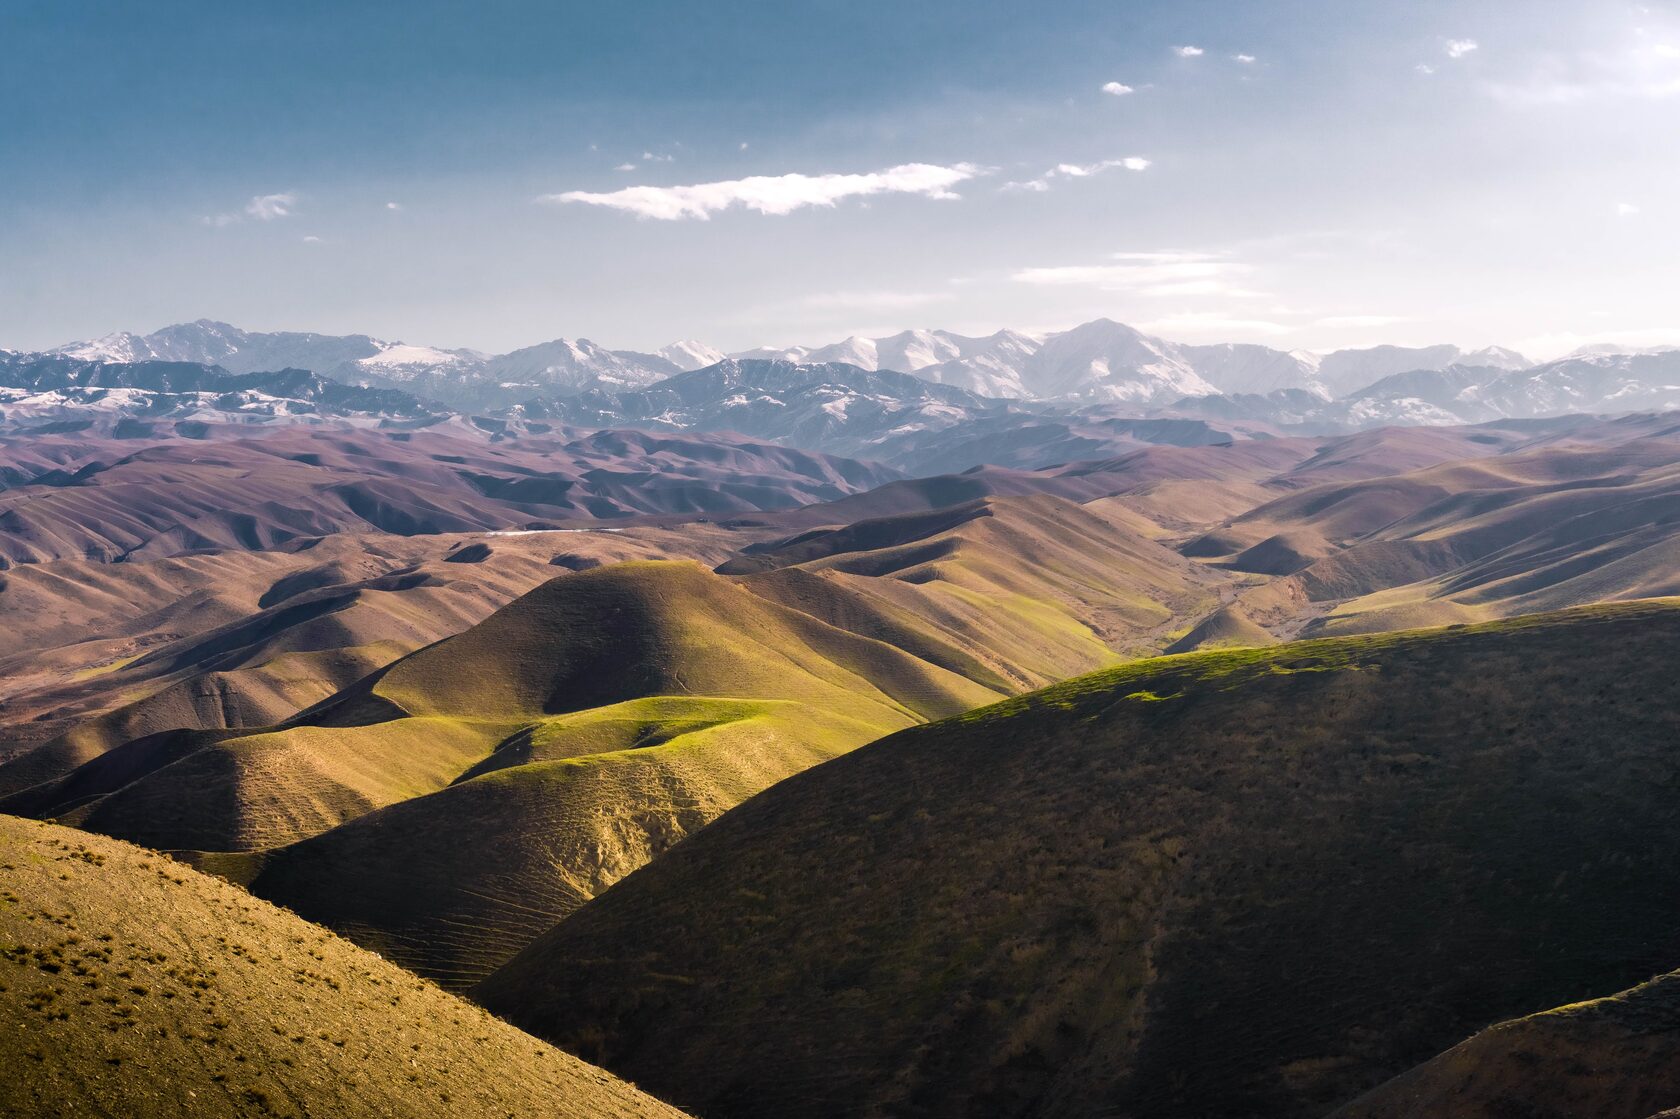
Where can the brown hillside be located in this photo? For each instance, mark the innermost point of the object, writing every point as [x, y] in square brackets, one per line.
[1256, 882]
[131, 985]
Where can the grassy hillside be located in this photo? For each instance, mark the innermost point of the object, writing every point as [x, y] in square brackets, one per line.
[1610, 1058]
[246, 639]
[1254, 882]
[583, 641]
[448, 809]
[131, 985]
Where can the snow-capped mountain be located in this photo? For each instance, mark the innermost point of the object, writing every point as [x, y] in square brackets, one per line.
[459, 377]
[814, 405]
[569, 366]
[1346, 371]
[36, 388]
[689, 355]
[990, 366]
[1241, 367]
[1109, 362]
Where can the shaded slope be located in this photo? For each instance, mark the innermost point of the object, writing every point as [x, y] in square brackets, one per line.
[130, 985]
[239, 640]
[581, 641]
[1611, 1058]
[1083, 901]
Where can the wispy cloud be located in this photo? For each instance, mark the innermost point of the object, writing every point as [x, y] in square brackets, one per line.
[1148, 273]
[1189, 52]
[1458, 48]
[873, 300]
[393, 206]
[1245, 59]
[262, 207]
[773, 194]
[1212, 321]
[625, 167]
[1359, 320]
[1077, 171]
[311, 239]
[1648, 72]
[268, 207]
[1116, 89]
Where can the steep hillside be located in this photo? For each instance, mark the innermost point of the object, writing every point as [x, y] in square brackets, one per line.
[1611, 1058]
[99, 654]
[1542, 529]
[1238, 883]
[591, 724]
[577, 732]
[131, 985]
[580, 642]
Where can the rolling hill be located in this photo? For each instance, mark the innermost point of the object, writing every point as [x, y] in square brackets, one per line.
[1612, 1058]
[446, 810]
[1239, 883]
[131, 985]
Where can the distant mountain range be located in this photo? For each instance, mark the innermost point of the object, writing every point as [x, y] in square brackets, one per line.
[918, 400]
[1098, 362]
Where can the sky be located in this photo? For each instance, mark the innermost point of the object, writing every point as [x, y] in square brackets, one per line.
[1303, 173]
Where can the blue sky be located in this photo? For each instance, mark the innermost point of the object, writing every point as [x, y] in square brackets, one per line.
[1309, 174]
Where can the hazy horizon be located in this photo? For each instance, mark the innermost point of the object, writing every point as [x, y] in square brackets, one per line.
[1204, 171]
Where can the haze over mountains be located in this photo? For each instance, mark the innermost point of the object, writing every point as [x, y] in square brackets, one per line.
[1030, 400]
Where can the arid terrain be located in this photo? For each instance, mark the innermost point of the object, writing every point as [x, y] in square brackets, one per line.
[414, 688]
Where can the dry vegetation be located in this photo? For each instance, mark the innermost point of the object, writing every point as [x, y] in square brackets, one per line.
[1239, 883]
[131, 985]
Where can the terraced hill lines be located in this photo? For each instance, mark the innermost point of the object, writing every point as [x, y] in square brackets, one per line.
[1256, 882]
[582, 641]
[449, 808]
[239, 639]
[1612, 1058]
[1536, 531]
[131, 985]
[1035, 589]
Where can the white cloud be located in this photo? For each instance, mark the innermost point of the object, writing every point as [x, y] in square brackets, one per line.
[649, 157]
[1117, 89]
[625, 167]
[1212, 322]
[1626, 209]
[393, 206]
[268, 207]
[1425, 68]
[773, 194]
[743, 146]
[1078, 171]
[873, 300]
[1245, 59]
[1458, 48]
[1147, 273]
[1360, 320]
[1548, 347]
[262, 207]
[1189, 52]
[311, 239]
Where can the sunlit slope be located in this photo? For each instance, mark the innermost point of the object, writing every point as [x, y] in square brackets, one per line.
[131, 985]
[246, 639]
[1610, 1058]
[455, 883]
[1255, 882]
[1546, 529]
[1031, 589]
[581, 641]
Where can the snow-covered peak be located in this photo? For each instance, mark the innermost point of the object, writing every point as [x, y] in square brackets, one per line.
[689, 355]
[400, 353]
